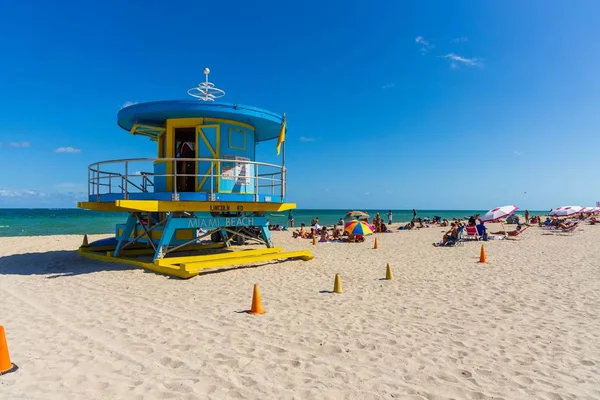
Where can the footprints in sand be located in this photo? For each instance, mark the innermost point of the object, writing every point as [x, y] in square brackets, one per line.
[587, 363]
[523, 380]
[170, 363]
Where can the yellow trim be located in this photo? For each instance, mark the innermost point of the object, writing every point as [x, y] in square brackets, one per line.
[239, 130]
[230, 122]
[191, 122]
[167, 206]
[161, 144]
[214, 152]
[173, 123]
[106, 207]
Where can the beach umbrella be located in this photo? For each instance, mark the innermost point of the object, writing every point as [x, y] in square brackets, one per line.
[588, 210]
[356, 214]
[358, 228]
[498, 213]
[566, 211]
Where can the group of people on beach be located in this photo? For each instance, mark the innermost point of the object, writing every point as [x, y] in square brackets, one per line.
[478, 229]
[323, 233]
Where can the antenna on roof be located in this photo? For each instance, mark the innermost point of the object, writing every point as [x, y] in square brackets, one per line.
[206, 90]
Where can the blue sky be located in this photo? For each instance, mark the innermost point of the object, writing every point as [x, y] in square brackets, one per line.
[439, 105]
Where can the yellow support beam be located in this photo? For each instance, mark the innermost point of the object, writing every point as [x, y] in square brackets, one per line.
[97, 206]
[193, 268]
[180, 206]
[202, 206]
[167, 270]
[219, 256]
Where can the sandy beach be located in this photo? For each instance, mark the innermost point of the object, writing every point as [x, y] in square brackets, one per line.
[526, 325]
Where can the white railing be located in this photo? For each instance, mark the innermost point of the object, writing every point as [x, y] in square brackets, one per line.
[128, 176]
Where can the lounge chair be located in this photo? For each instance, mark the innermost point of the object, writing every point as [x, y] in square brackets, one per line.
[570, 229]
[471, 233]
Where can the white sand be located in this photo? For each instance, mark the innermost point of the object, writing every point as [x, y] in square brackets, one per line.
[526, 325]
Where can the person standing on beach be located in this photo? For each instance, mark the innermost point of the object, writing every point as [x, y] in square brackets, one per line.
[414, 214]
[526, 216]
[291, 219]
[389, 215]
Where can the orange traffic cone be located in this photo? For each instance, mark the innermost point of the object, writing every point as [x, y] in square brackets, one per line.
[376, 245]
[85, 241]
[388, 273]
[256, 304]
[314, 240]
[482, 256]
[337, 284]
[5, 364]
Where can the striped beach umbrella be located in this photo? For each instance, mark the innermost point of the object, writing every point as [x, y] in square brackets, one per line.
[566, 211]
[498, 213]
[358, 228]
[354, 214]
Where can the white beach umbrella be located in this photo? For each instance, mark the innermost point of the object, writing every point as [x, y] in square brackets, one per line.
[498, 213]
[566, 211]
[588, 210]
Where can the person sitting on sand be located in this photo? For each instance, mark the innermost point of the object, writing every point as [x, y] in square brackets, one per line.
[300, 233]
[445, 222]
[408, 226]
[384, 228]
[337, 233]
[450, 236]
[355, 238]
[377, 223]
[510, 233]
[341, 221]
[324, 235]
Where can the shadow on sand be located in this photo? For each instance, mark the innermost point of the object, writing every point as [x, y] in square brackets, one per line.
[55, 264]
[64, 263]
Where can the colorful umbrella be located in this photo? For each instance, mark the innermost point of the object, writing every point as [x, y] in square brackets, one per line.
[356, 214]
[358, 228]
[498, 213]
[566, 211]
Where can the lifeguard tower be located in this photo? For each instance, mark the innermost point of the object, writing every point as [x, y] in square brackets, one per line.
[202, 196]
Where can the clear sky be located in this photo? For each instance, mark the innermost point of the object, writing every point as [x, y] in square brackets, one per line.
[396, 104]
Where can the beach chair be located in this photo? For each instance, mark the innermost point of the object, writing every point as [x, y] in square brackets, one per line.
[571, 229]
[451, 243]
[459, 238]
[471, 233]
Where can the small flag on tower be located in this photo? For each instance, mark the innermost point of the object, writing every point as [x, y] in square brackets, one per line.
[281, 138]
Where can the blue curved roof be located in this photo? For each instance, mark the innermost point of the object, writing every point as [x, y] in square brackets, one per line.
[266, 123]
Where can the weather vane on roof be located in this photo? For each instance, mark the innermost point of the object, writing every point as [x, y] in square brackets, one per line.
[206, 90]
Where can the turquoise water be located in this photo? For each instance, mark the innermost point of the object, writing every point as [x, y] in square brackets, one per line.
[39, 222]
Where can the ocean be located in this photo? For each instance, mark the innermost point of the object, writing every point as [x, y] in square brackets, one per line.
[42, 222]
